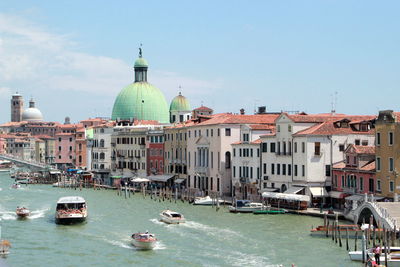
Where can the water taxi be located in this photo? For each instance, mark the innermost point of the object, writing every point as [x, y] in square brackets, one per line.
[171, 217]
[70, 210]
[207, 201]
[247, 206]
[144, 241]
[22, 212]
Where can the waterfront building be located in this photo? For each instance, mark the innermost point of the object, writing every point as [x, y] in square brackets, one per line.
[246, 161]
[80, 148]
[49, 148]
[17, 107]
[387, 129]
[101, 151]
[299, 156]
[209, 150]
[175, 156]
[179, 109]
[3, 145]
[140, 100]
[21, 146]
[155, 152]
[65, 156]
[355, 175]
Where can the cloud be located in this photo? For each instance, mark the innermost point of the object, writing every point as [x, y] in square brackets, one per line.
[37, 60]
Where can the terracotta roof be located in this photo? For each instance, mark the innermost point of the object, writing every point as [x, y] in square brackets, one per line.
[339, 165]
[203, 108]
[370, 166]
[256, 142]
[328, 128]
[364, 149]
[261, 127]
[228, 118]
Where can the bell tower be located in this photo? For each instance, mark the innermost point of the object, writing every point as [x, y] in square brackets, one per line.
[17, 107]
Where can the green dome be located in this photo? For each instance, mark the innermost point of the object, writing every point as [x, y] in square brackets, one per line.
[141, 63]
[128, 103]
[179, 103]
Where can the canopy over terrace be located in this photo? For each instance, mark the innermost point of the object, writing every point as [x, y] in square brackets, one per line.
[140, 180]
[318, 191]
[288, 197]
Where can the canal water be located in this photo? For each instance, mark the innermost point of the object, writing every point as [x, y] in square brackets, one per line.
[208, 238]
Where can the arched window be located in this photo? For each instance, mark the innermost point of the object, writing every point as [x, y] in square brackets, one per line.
[227, 160]
[102, 143]
[102, 156]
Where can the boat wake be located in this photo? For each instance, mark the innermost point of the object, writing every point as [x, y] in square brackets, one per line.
[8, 215]
[38, 213]
[157, 221]
[118, 243]
[159, 246]
[211, 230]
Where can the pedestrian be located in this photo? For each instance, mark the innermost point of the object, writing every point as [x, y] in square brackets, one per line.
[377, 254]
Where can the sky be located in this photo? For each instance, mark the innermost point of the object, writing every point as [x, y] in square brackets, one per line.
[73, 57]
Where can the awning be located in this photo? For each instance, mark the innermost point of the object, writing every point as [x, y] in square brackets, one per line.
[140, 180]
[294, 190]
[116, 177]
[336, 194]
[268, 189]
[179, 180]
[318, 191]
[283, 196]
[54, 172]
[355, 197]
[160, 178]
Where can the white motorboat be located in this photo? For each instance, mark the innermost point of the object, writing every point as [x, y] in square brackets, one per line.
[16, 185]
[22, 212]
[207, 201]
[393, 255]
[144, 240]
[172, 217]
[71, 210]
[247, 206]
[5, 166]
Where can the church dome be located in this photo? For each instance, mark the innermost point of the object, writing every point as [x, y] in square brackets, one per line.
[180, 103]
[141, 100]
[32, 114]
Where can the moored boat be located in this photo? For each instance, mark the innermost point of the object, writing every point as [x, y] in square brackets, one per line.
[22, 212]
[5, 166]
[207, 201]
[270, 210]
[144, 241]
[247, 206]
[71, 210]
[172, 217]
[344, 229]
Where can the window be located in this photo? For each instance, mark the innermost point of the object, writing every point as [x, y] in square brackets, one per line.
[234, 171]
[272, 148]
[361, 184]
[295, 147]
[278, 169]
[234, 152]
[378, 185]
[212, 132]
[378, 139]
[357, 142]
[289, 128]
[390, 138]
[391, 164]
[295, 170]
[364, 142]
[317, 148]
[218, 131]
[265, 168]
[245, 137]
[378, 163]
[341, 148]
[264, 147]
[303, 147]
[289, 170]
[371, 185]
[391, 186]
[272, 168]
[279, 128]
[283, 169]
[227, 131]
[342, 181]
[258, 152]
[70, 139]
[303, 170]
[327, 170]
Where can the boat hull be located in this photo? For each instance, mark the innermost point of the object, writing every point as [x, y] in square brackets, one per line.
[171, 221]
[144, 245]
[270, 212]
[245, 209]
[73, 220]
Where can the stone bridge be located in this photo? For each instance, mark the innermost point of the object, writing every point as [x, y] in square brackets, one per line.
[386, 214]
[30, 164]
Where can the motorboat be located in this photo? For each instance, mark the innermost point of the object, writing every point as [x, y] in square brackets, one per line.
[270, 210]
[16, 185]
[4, 248]
[207, 201]
[247, 206]
[144, 241]
[172, 217]
[72, 209]
[5, 166]
[393, 255]
[22, 212]
[351, 229]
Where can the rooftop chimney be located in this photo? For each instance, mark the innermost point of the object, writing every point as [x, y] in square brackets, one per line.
[262, 110]
[242, 111]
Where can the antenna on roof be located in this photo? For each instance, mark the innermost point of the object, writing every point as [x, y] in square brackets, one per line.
[334, 102]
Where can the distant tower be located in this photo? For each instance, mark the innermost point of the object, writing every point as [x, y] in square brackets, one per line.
[17, 107]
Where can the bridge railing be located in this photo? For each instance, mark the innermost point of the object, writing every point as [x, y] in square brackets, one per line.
[32, 163]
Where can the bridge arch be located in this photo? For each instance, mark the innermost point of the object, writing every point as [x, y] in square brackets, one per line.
[365, 215]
